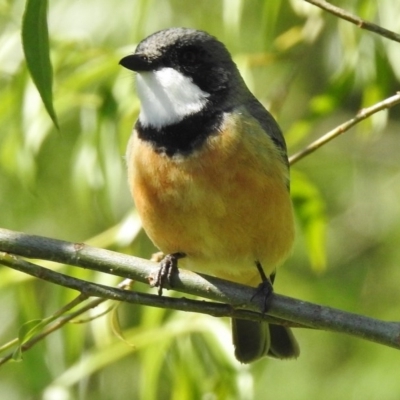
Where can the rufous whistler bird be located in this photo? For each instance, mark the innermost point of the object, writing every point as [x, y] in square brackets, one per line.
[209, 173]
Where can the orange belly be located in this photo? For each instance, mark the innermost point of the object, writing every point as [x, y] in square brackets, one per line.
[225, 206]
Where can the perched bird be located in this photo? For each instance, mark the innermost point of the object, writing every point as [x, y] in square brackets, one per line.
[208, 172]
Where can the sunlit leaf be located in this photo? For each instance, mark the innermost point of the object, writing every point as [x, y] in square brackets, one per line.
[35, 41]
[116, 326]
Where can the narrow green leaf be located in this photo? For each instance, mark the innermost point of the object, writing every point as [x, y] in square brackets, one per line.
[116, 326]
[27, 331]
[35, 42]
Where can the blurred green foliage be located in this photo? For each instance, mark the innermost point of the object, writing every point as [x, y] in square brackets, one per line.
[313, 71]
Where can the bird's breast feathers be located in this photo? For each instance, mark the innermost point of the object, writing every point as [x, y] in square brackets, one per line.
[225, 205]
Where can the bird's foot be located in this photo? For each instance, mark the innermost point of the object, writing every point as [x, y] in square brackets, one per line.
[168, 267]
[264, 289]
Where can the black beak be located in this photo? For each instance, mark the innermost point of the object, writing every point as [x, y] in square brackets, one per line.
[137, 62]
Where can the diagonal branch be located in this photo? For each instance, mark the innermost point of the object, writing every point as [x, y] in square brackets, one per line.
[239, 297]
[361, 23]
[54, 326]
[362, 114]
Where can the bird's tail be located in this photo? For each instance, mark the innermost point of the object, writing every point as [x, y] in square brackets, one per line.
[254, 339]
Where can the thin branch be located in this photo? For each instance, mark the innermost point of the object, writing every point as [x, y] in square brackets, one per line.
[63, 320]
[238, 296]
[361, 23]
[361, 115]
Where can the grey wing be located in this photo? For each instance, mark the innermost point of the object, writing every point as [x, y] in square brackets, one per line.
[268, 123]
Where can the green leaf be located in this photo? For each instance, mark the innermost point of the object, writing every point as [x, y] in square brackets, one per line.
[27, 331]
[35, 42]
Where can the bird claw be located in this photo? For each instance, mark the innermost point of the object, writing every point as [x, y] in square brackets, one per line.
[168, 267]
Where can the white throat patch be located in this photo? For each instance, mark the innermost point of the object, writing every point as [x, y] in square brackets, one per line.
[167, 97]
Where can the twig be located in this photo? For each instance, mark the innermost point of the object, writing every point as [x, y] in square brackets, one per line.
[361, 23]
[282, 307]
[362, 114]
[55, 326]
[62, 317]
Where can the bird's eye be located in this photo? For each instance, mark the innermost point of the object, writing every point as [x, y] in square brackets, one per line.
[188, 56]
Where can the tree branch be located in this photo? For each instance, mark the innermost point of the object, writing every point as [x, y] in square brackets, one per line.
[361, 23]
[90, 289]
[239, 297]
[361, 115]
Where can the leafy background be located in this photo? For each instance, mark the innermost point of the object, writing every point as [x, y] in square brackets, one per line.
[313, 71]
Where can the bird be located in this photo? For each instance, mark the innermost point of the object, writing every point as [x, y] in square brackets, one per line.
[209, 175]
